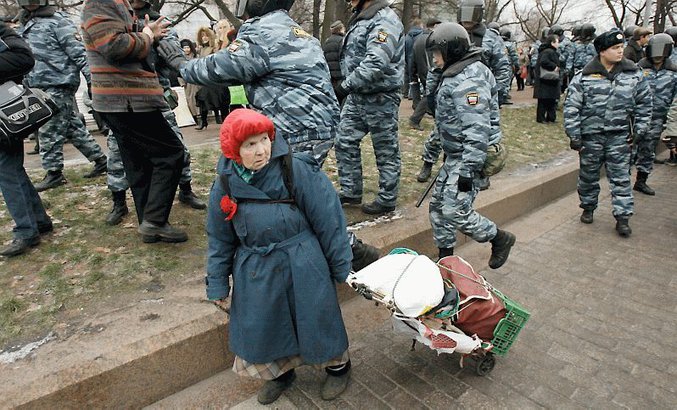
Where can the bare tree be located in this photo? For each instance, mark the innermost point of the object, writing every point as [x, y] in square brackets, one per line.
[494, 9]
[532, 20]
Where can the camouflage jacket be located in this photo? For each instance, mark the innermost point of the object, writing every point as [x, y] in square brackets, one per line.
[372, 53]
[583, 53]
[283, 71]
[467, 99]
[511, 52]
[495, 57]
[59, 53]
[599, 102]
[566, 54]
[534, 54]
[673, 56]
[663, 85]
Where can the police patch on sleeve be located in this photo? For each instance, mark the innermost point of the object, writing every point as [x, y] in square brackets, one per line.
[234, 46]
[381, 36]
[299, 32]
[472, 98]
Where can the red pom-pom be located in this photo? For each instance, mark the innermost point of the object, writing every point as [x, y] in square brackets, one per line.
[229, 207]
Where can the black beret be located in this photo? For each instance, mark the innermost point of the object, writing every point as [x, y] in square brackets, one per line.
[608, 39]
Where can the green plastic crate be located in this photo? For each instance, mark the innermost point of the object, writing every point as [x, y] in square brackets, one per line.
[508, 328]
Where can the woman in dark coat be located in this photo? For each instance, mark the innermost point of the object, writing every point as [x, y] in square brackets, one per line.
[547, 91]
[276, 226]
[23, 202]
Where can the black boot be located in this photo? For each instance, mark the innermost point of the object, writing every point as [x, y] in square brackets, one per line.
[53, 179]
[622, 226]
[500, 248]
[19, 246]
[424, 173]
[188, 197]
[273, 389]
[444, 252]
[218, 118]
[374, 208]
[119, 208]
[100, 168]
[363, 255]
[586, 216]
[641, 186]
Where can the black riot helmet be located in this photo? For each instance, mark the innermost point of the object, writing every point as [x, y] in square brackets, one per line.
[545, 32]
[494, 26]
[23, 3]
[576, 31]
[587, 31]
[629, 30]
[557, 30]
[672, 32]
[506, 34]
[255, 8]
[659, 45]
[450, 39]
[470, 11]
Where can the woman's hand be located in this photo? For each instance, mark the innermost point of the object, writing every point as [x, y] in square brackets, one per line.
[223, 304]
[155, 29]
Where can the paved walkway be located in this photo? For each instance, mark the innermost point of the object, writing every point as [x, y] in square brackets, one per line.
[602, 332]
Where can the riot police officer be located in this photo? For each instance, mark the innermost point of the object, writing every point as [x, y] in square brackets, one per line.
[466, 97]
[599, 100]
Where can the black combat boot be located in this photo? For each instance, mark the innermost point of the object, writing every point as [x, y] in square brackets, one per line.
[363, 255]
[119, 208]
[375, 208]
[641, 186]
[586, 216]
[19, 246]
[424, 173]
[151, 233]
[500, 248]
[53, 179]
[100, 168]
[444, 252]
[188, 197]
[622, 226]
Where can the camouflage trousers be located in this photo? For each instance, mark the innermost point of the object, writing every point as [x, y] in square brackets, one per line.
[646, 146]
[613, 152]
[66, 125]
[432, 147]
[376, 114]
[451, 210]
[116, 172]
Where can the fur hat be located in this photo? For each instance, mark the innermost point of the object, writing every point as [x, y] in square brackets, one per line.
[240, 125]
[608, 39]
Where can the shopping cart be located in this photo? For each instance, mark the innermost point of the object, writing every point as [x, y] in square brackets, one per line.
[446, 306]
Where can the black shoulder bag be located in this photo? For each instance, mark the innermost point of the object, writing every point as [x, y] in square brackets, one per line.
[22, 111]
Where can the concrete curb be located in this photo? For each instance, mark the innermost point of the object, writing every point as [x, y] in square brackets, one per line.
[148, 370]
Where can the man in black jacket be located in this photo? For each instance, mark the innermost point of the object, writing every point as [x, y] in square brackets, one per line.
[419, 70]
[635, 48]
[23, 201]
[331, 49]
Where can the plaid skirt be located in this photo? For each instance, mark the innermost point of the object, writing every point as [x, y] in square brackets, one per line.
[276, 368]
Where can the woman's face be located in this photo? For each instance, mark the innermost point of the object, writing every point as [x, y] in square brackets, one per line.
[186, 50]
[555, 43]
[255, 151]
[205, 38]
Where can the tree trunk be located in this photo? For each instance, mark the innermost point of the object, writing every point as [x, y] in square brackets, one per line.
[342, 12]
[407, 13]
[329, 17]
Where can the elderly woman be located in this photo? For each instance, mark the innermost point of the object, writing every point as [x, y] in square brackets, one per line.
[276, 226]
[547, 82]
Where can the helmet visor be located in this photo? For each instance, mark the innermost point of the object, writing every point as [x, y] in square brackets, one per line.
[659, 50]
[470, 13]
[240, 8]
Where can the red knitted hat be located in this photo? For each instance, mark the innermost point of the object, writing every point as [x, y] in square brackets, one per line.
[240, 125]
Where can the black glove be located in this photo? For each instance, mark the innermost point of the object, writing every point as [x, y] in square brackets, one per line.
[172, 53]
[575, 145]
[89, 90]
[464, 184]
[341, 92]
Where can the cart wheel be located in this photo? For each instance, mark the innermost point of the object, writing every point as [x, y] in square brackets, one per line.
[485, 364]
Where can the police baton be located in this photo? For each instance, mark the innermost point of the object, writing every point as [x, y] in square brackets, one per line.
[428, 189]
